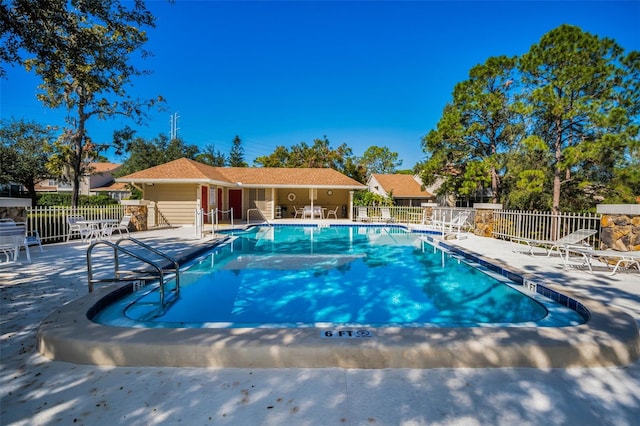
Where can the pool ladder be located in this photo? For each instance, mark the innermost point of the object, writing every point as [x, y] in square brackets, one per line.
[158, 271]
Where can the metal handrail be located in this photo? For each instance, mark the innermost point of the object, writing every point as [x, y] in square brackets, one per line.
[261, 214]
[117, 248]
[176, 266]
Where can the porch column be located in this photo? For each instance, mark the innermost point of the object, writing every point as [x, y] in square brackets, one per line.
[350, 210]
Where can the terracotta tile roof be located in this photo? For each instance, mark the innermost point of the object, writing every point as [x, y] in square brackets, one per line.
[294, 177]
[403, 186]
[184, 169]
[181, 169]
[103, 167]
[116, 186]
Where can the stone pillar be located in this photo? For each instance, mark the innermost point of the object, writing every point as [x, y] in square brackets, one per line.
[14, 208]
[139, 212]
[483, 225]
[619, 226]
[427, 212]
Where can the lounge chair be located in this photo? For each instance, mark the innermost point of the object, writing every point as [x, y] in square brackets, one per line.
[457, 221]
[624, 259]
[363, 216]
[385, 215]
[573, 240]
[122, 226]
[298, 212]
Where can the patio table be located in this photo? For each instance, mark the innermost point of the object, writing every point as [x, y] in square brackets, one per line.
[97, 227]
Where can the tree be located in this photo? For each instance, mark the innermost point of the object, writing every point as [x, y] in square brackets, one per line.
[236, 155]
[320, 154]
[81, 50]
[582, 95]
[24, 153]
[211, 156]
[380, 160]
[144, 153]
[278, 158]
[475, 132]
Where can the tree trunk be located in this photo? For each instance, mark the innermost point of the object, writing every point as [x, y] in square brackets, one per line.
[494, 185]
[557, 173]
[31, 189]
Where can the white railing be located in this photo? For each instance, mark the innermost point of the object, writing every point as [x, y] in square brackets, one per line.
[51, 222]
[413, 215]
[509, 224]
[211, 217]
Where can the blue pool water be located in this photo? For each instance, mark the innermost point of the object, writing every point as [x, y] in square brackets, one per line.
[286, 276]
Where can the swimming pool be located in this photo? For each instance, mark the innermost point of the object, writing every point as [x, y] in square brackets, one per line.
[351, 276]
[608, 337]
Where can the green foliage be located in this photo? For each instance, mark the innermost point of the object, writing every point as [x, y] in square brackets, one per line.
[366, 198]
[583, 102]
[380, 160]
[236, 155]
[64, 199]
[320, 154]
[24, 152]
[477, 130]
[81, 52]
[567, 140]
[211, 156]
[144, 153]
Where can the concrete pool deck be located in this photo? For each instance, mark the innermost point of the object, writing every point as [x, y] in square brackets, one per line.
[36, 390]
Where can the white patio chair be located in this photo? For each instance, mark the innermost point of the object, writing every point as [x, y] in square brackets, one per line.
[333, 212]
[122, 226]
[82, 229]
[298, 212]
[457, 221]
[363, 215]
[385, 215]
[12, 238]
[33, 238]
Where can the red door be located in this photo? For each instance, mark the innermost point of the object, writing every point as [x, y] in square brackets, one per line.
[235, 202]
[204, 202]
[219, 203]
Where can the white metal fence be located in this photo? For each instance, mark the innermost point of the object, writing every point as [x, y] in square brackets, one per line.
[51, 222]
[410, 215]
[543, 225]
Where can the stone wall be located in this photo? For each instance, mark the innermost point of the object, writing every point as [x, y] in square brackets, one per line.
[17, 214]
[14, 208]
[138, 217]
[619, 226]
[620, 232]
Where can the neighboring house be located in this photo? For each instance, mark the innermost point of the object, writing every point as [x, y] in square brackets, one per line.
[406, 190]
[98, 179]
[117, 191]
[176, 189]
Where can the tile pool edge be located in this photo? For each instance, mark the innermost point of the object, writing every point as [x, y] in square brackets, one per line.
[609, 338]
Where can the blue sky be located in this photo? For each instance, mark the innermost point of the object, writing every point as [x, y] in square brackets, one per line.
[363, 73]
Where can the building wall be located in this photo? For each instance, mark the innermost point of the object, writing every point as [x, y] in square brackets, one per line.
[176, 202]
